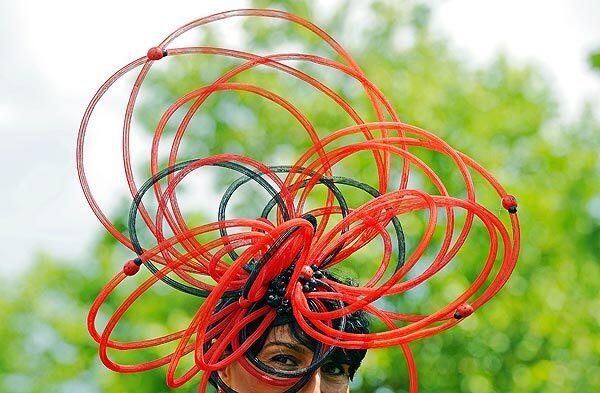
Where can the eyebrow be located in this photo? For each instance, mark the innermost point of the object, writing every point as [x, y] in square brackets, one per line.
[294, 347]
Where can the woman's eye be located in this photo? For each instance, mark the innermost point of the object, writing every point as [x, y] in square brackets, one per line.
[285, 360]
[332, 369]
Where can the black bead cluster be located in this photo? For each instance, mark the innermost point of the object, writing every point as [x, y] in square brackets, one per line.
[277, 289]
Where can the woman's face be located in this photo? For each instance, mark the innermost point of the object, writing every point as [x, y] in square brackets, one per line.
[284, 352]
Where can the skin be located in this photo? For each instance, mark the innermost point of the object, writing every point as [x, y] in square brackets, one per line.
[284, 352]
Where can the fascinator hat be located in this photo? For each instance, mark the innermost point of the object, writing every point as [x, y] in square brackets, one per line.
[254, 273]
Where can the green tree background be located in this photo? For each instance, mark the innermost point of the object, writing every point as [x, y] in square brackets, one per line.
[540, 334]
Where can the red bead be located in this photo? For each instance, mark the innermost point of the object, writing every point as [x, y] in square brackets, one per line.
[306, 272]
[130, 268]
[244, 303]
[155, 53]
[509, 202]
[463, 311]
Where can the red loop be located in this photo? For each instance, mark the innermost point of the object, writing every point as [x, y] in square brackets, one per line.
[265, 220]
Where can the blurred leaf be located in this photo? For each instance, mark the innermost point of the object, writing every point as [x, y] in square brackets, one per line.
[595, 60]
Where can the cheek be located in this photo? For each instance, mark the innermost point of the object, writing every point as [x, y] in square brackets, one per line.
[334, 387]
[243, 381]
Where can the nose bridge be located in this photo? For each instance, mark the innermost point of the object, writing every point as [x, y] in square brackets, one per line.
[313, 385]
[317, 378]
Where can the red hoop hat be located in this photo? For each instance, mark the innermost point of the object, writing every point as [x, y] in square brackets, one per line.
[280, 265]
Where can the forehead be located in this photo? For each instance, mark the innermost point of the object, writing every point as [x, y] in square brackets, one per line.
[283, 339]
[283, 333]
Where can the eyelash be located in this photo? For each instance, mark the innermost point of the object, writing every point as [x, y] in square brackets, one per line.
[289, 361]
[329, 369]
[282, 359]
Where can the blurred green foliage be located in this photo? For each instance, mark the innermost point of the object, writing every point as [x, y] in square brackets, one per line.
[540, 334]
[595, 60]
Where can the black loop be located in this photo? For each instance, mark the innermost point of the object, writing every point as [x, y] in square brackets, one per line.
[330, 182]
[275, 197]
[137, 200]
